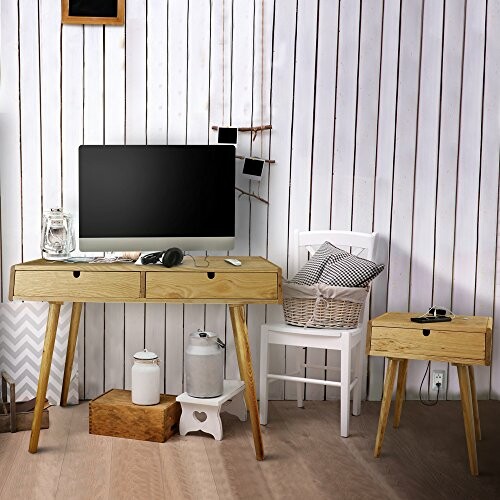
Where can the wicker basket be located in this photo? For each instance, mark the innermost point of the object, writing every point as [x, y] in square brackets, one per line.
[323, 306]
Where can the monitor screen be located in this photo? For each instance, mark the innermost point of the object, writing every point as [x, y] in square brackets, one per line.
[155, 197]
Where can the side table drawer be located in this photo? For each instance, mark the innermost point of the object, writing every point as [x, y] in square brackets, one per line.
[422, 343]
[211, 285]
[77, 285]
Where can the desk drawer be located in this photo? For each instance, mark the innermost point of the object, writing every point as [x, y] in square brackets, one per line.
[422, 343]
[77, 285]
[211, 285]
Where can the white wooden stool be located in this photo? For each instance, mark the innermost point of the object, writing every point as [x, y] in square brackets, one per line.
[203, 414]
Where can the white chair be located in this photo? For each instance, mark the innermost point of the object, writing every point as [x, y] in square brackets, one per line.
[345, 341]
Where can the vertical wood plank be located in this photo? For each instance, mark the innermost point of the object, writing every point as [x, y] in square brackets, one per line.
[176, 126]
[10, 162]
[383, 182]
[490, 140]
[344, 133]
[488, 189]
[279, 178]
[366, 130]
[426, 163]
[447, 163]
[404, 160]
[29, 88]
[114, 133]
[262, 65]
[50, 103]
[242, 33]
[219, 112]
[71, 139]
[135, 133]
[197, 112]
[302, 139]
[322, 153]
[93, 128]
[157, 64]
[345, 119]
[464, 264]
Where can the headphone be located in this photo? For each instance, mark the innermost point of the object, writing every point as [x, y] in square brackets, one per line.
[169, 258]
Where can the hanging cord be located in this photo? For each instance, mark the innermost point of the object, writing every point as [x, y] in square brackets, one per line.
[194, 260]
[435, 402]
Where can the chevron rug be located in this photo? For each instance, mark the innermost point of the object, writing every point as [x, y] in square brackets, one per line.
[22, 332]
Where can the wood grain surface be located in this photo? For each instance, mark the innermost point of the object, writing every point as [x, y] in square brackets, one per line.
[306, 458]
[114, 414]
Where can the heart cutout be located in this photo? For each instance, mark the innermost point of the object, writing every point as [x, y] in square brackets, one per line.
[201, 416]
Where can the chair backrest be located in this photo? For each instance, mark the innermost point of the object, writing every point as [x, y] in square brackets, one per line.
[361, 244]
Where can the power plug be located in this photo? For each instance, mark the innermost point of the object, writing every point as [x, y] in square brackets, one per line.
[438, 377]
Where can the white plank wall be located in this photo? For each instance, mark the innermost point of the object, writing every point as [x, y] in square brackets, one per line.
[385, 118]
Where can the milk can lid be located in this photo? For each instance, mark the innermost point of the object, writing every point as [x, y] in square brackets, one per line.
[145, 355]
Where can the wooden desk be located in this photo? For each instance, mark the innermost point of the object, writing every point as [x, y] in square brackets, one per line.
[257, 281]
[465, 341]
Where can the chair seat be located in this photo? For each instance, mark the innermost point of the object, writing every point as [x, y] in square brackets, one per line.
[300, 330]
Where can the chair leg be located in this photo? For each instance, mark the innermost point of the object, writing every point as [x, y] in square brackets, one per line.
[345, 392]
[356, 393]
[300, 369]
[264, 368]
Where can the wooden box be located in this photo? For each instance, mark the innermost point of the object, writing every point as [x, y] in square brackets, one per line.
[114, 414]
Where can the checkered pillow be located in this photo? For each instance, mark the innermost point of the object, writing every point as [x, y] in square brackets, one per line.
[335, 267]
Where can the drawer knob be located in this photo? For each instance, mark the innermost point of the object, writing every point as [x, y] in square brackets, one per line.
[426, 332]
[211, 275]
[76, 274]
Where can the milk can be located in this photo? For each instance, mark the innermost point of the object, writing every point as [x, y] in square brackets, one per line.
[204, 365]
[146, 378]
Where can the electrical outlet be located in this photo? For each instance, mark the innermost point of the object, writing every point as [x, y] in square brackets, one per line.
[438, 377]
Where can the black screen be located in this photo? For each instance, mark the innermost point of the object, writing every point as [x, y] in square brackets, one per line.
[93, 8]
[156, 191]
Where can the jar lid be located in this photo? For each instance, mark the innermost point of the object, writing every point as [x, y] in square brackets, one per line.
[201, 334]
[145, 355]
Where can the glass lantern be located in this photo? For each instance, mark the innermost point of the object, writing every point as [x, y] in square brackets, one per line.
[58, 237]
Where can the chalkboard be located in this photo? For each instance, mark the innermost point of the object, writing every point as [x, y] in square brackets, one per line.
[93, 11]
[93, 8]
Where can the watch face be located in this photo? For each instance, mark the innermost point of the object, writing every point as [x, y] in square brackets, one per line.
[227, 135]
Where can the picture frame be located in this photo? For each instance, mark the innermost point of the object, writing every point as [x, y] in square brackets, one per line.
[252, 168]
[110, 12]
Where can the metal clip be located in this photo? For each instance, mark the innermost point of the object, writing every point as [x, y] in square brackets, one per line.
[220, 343]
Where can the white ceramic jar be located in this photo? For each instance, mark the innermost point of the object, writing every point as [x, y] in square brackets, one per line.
[146, 378]
[204, 365]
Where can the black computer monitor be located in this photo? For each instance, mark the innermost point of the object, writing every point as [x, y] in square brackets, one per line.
[155, 197]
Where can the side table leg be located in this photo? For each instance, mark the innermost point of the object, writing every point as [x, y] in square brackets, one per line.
[463, 378]
[70, 351]
[43, 379]
[475, 408]
[386, 404]
[240, 333]
[400, 391]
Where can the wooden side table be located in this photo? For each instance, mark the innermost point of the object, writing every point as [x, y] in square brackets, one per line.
[465, 341]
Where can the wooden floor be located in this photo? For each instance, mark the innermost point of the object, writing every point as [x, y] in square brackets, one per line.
[306, 458]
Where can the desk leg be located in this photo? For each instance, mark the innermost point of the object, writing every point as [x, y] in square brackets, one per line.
[43, 379]
[386, 404]
[463, 378]
[70, 351]
[400, 391]
[475, 409]
[240, 333]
